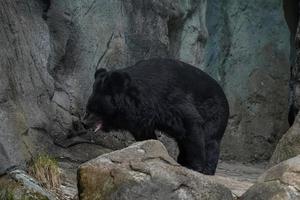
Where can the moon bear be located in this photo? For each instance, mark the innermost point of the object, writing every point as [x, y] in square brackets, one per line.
[166, 95]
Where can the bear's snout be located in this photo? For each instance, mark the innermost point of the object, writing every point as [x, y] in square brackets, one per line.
[91, 121]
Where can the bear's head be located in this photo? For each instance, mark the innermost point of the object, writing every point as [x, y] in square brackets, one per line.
[112, 92]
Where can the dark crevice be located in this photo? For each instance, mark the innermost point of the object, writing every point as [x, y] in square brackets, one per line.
[164, 160]
[140, 170]
[66, 143]
[105, 51]
[46, 7]
[291, 15]
[181, 186]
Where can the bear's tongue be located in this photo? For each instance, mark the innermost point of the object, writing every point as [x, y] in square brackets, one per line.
[98, 127]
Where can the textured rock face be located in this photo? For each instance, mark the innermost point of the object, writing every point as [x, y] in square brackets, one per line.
[51, 49]
[144, 170]
[247, 52]
[279, 182]
[25, 84]
[289, 144]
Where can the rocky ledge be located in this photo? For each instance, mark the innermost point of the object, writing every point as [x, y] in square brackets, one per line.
[280, 182]
[144, 171]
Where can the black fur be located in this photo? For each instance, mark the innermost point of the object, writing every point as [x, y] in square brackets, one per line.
[166, 95]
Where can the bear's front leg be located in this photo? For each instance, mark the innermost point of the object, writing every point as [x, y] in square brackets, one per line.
[212, 156]
[192, 148]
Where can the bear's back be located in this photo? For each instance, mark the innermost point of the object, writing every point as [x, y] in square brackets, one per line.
[167, 74]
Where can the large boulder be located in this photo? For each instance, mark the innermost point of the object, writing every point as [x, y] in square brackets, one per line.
[144, 171]
[289, 144]
[281, 182]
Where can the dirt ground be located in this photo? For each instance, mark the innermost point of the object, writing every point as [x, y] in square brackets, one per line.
[238, 177]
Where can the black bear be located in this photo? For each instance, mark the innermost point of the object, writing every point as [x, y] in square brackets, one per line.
[166, 95]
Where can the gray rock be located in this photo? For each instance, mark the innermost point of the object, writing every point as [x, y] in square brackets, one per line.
[247, 51]
[25, 84]
[144, 170]
[169, 143]
[31, 184]
[237, 176]
[289, 144]
[279, 182]
[11, 189]
[49, 54]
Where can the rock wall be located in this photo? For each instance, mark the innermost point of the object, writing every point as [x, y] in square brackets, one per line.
[26, 86]
[51, 49]
[247, 52]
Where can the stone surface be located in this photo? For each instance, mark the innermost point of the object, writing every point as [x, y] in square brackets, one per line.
[289, 144]
[144, 170]
[19, 185]
[25, 84]
[280, 182]
[247, 51]
[30, 183]
[238, 177]
[51, 49]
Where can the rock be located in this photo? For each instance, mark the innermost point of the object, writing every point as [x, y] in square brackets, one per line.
[51, 49]
[19, 185]
[237, 187]
[280, 182]
[247, 51]
[289, 144]
[128, 34]
[144, 170]
[25, 84]
[120, 139]
[30, 183]
[238, 177]
[169, 143]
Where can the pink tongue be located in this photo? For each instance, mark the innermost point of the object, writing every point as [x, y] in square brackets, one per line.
[98, 127]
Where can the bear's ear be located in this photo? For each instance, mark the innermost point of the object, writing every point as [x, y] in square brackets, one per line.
[118, 81]
[100, 73]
